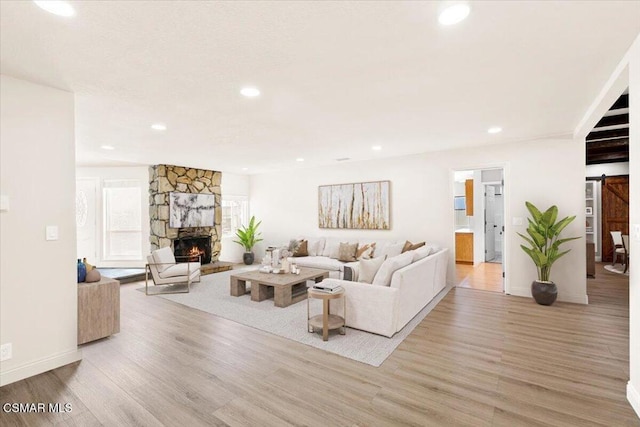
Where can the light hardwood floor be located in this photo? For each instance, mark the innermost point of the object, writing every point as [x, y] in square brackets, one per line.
[478, 359]
[486, 276]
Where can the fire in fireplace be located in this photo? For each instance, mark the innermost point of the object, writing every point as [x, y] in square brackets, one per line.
[193, 247]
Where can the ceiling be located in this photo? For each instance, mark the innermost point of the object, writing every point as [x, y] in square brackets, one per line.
[336, 77]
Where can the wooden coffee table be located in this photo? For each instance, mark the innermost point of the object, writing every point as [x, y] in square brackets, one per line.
[285, 289]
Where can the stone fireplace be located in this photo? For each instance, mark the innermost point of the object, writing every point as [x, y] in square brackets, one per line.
[164, 179]
[194, 248]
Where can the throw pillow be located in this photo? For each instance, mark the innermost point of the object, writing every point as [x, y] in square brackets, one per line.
[421, 253]
[408, 246]
[367, 269]
[315, 247]
[301, 250]
[391, 250]
[347, 252]
[332, 249]
[390, 266]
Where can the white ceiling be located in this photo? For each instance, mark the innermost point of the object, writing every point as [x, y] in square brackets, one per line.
[336, 77]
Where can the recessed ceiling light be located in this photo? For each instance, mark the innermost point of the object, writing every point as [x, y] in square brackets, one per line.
[494, 129]
[245, 169]
[60, 8]
[454, 14]
[299, 159]
[159, 126]
[107, 147]
[250, 92]
[376, 148]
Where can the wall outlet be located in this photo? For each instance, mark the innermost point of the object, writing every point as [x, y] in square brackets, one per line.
[636, 232]
[6, 352]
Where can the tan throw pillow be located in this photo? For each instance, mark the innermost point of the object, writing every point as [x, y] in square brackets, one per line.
[408, 246]
[347, 252]
[367, 269]
[301, 250]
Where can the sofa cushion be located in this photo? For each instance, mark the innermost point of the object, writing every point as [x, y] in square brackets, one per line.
[390, 250]
[421, 253]
[315, 246]
[347, 252]
[367, 269]
[322, 262]
[302, 249]
[178, 270]
[408, 246]
[390, 266]
[164, 257]
[332, 249]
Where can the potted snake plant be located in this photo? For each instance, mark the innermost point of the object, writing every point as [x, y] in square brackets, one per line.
[248, 236]
[544, 249]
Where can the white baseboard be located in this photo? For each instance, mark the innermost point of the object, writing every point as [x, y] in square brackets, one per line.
[633, 397]
[39, 366]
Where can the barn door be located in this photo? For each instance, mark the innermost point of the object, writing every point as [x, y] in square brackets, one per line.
[615, 211]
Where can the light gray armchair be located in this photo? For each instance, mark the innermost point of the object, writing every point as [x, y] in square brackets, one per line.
[169, 277]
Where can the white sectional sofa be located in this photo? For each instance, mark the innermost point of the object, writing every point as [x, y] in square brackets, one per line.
[385, 310]
[382, 310]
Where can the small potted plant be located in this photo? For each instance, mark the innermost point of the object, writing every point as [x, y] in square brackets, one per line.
[248, 237]
[544, 240]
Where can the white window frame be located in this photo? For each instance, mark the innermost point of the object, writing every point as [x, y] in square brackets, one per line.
[106, 231]
[243, 202]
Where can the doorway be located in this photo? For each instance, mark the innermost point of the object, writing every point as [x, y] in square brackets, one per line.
[478, 203]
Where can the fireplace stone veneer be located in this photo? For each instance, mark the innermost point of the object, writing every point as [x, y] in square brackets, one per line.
[163, 179]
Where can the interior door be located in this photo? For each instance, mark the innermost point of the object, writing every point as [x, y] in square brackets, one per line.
[86, 218]
[615, 211]
[489, 223]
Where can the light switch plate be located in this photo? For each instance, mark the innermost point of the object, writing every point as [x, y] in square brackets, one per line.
[517, 220]
[636, 232]
[4, 203]
[52, 232]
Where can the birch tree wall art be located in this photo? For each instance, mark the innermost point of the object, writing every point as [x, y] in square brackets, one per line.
[363, 205]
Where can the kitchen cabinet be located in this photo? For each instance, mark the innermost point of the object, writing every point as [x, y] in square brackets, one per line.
[464, 247]
[468, 193]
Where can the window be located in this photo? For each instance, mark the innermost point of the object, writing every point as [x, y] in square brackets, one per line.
[235, 213]
[122, 220]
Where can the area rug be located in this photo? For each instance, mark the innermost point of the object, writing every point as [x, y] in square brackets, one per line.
[212, 296]
[619, 269]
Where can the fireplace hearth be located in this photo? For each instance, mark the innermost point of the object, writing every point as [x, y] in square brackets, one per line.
[194, 247]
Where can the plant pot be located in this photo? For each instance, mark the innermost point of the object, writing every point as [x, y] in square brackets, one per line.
[545, 293]
[248, 258]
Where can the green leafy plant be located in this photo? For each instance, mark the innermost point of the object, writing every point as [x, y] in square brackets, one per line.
[248, 235]
[543, 236]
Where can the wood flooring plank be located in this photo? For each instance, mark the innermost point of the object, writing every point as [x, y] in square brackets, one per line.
[479, 358]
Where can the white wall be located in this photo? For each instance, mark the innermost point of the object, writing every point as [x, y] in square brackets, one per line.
[633, 389]
[38, 289]
[233, 185]
[106, 173]
[421, 198]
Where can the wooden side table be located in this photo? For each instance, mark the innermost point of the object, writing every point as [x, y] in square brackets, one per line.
[98, 309]
[325, 320]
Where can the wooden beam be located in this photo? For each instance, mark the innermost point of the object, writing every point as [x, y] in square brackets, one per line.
[615, 133]
[608, 144]
[622, 102]
[620, 119]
